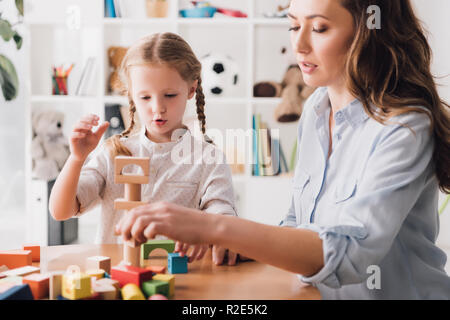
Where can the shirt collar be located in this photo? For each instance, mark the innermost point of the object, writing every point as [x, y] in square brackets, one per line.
[354, 113]
[178, 136]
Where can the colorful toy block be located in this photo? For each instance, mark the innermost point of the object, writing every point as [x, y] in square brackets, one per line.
[156, 269]
[105, 291]
[99, 262]
[35, 252]
[15, 292]
[12, 279]
[131, 291]
[39, 285]
[149, 246]
[15, 258]
[97, 273]
[55, 284]
[170, 279]
[128, 274]
[177, 264]
[22, 271]
[76, 286]
[154, 287]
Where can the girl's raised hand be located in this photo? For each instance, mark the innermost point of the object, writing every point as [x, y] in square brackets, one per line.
[83, 140]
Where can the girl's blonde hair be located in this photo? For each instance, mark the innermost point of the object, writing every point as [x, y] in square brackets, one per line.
[158, 49]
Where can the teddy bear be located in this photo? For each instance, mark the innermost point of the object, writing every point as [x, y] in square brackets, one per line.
[115, 57]
[292, 90]
[49, 147]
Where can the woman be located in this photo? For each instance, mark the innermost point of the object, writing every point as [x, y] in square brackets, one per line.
[373, 151]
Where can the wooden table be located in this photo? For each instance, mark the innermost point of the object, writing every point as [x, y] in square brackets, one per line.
[204, 280]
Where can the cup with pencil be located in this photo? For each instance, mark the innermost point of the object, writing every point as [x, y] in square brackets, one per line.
[59, 79]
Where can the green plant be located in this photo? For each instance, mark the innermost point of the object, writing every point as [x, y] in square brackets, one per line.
[9, 81]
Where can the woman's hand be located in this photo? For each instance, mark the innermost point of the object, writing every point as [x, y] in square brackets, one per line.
[197, 252]
[83, 140]
[219, 255]
[173, 221]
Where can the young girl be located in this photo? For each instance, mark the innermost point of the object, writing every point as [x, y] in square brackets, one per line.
[159, 73]
[373, 151]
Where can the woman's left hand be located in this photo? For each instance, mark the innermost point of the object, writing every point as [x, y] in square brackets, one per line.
[173, 221]
[197, 252]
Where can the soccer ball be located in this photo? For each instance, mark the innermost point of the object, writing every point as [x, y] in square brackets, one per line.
[220, 75]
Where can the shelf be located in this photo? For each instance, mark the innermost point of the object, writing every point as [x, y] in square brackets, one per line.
[214, 21]
[132, 22]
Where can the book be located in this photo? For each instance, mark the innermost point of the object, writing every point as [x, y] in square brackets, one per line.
[259, 136]
[85, 84]
[283, 164]
[110, 11]
[265, 146]
[255, 148]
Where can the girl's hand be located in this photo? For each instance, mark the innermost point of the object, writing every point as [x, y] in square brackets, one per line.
[83, 140]
[197, 252]
[220, 254]
[173, 221]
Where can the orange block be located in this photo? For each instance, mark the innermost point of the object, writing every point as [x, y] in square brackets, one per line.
[15, 258]
[35, 252]
[156, 269]
[39, 285]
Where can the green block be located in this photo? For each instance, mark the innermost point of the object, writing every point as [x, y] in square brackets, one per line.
[149, 246]
[155, 286]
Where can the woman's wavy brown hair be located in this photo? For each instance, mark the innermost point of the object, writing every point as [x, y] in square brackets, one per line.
[390, 68]
[158, 49]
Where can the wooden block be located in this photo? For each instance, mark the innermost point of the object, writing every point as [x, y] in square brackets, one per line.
[132, 292]
[96, 273]
[39, 285]
[15, 292]
[121, 161]
[109, 282]
[122, 204]
[170, 279]
[157, 297]
[128, 274]
[177, 264]
[12, 279]
[35, 252]
[132, 255]
[156, 269]
[76, 286]
[105, 291]
[22, 271]
[15, 258]
[155, 287]
[149, 246]
[55, 284]
[99, 262]
[131, 179]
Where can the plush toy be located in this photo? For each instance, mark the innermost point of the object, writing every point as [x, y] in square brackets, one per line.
[115, 56]
[294, 94]
[49, 147]
[292, 90]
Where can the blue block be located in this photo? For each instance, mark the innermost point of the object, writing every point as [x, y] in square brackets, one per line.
[107, 275]
[177, 264]
[19, 292]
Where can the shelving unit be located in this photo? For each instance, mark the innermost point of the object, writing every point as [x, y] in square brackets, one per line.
[64, 31]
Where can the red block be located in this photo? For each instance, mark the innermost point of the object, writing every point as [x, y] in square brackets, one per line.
[156, 269]
[15, 258]
[128, 274]
[35, 252]
[39, 285]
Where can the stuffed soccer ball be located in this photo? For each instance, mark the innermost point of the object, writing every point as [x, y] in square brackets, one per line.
[220, 75]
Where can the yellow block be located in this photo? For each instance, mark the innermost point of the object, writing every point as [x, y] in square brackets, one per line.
[97, 273]
[76, 286]
[131, 291]
[170, 278]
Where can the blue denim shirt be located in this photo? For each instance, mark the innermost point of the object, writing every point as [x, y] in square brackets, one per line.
[374, 203]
